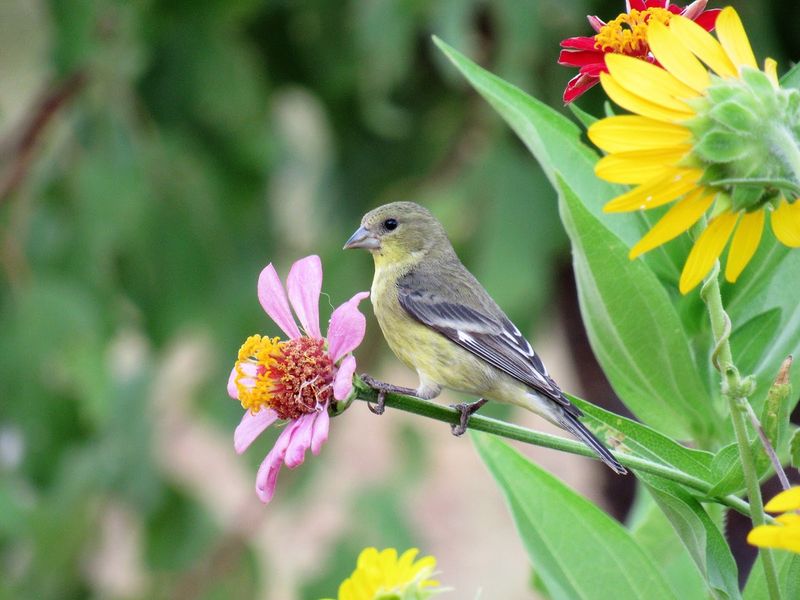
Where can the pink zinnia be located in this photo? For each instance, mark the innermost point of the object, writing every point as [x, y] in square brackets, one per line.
[294, 380]
[627, 34]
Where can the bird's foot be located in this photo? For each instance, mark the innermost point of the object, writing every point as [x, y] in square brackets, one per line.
[383, 388]
[465, 411]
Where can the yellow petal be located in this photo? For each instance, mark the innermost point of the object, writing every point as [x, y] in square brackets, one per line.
[733, 38]
[771, 70]
[789, 519]
[744, 243]
[676, 58]
[649, 81]
[776, 536]
[703, 46]
[677, 219]
[765, 536]
[637, 104]
[706, 250]
[640, 165]
[631, 132]
[786, 223]
[657, 192]
[785, 501]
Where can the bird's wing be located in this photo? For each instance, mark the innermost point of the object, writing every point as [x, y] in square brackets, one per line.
[496, 340]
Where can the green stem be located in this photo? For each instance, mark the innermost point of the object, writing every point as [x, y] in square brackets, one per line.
[432, 410]
[734, 390]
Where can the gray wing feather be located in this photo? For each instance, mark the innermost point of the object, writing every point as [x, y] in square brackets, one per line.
[494, 339]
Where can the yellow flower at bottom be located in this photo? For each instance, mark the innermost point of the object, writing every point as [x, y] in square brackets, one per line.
[692, 127]
[785, 535]
[382, 575]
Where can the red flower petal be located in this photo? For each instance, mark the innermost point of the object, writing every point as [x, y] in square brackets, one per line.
[594, 70]
[579, 43]
[708, 19]
[577, 86]
[579, 58]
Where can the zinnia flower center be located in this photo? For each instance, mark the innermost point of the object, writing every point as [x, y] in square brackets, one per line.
[627, 34]
[292, 378]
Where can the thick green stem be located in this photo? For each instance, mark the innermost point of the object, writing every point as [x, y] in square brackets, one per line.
[735, 390]
[432, 410]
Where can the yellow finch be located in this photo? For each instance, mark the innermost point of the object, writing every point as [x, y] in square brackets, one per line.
[440, 321]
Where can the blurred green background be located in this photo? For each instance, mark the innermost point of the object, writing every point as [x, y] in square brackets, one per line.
[154, 156]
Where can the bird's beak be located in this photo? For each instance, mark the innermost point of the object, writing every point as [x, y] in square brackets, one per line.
[362, 238]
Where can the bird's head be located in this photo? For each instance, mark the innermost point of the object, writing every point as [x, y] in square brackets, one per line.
[399, 232]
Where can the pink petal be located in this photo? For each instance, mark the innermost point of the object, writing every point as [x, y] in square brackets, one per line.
[596, 22]
[343, 384]
[273, 300]
[301, 441]
[347, 327]
[320, 434]
[304, 285]
[251, 426]
[233, 391]
[267, 476]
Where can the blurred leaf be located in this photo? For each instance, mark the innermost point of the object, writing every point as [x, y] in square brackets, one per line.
[701, 536]
[635, 332]
[179, 533]
[557, 526]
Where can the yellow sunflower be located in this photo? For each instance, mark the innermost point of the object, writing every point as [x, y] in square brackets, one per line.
[785, 535]
[383, 574]
[698, 136]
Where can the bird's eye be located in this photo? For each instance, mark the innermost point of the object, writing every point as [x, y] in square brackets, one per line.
[390, 224]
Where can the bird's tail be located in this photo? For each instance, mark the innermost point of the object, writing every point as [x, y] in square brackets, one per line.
[575, 427]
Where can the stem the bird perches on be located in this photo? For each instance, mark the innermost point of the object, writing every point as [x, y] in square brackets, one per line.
[433, 410]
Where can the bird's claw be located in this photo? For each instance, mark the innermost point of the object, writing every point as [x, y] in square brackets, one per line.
[380, 407]
[383, 388]
[465, 411]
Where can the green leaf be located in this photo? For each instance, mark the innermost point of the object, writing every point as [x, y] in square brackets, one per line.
[794, 449]
[762, 289]
[791, 79]
[584, 117]
[634, 329]
[749, 340]
[727, 471]
[654, 533]
[577, 549]
[700, 535]
[635, 438]
[788, 565]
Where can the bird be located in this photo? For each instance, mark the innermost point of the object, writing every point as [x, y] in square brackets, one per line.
[440, 321]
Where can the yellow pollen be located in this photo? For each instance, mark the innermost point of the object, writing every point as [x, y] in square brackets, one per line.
[256, 358]
[627, 34]
[292, 378]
